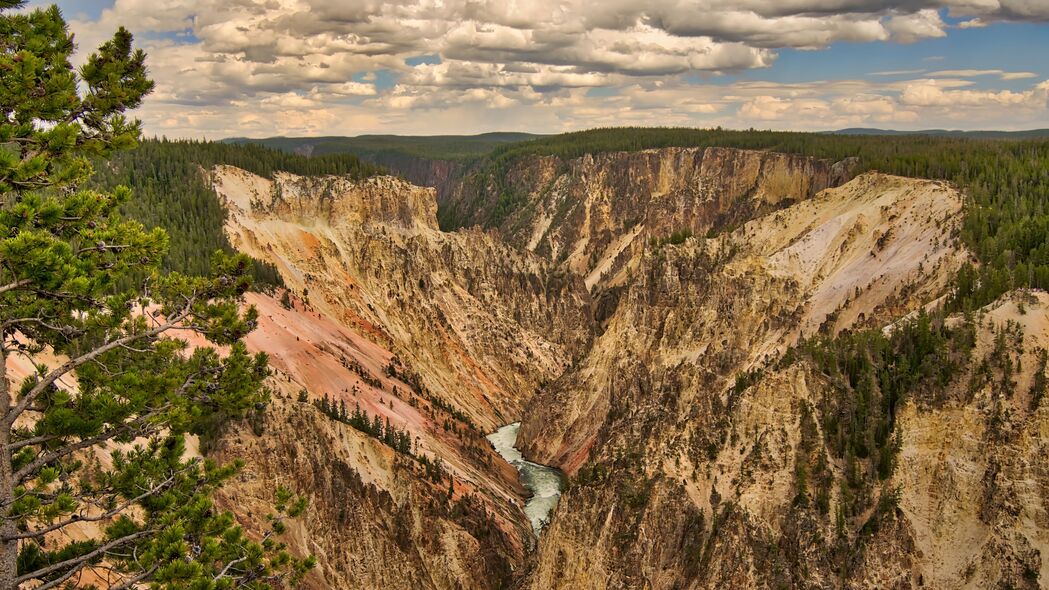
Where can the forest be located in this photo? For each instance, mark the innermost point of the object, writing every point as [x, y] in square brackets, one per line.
[433, 147]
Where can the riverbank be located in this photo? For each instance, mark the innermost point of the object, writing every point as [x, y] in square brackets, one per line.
[545, 483]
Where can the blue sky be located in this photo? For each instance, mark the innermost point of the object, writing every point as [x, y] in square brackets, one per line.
[79, 9]
[309, 67]
[1019, 47]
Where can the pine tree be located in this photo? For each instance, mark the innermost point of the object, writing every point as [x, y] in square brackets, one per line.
[123, 387]
[377, 427]
[357, 420]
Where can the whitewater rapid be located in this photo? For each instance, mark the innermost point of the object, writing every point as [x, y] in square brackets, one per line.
[544, 482]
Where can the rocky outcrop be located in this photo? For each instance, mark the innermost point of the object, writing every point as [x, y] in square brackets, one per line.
[642, 313]
[691, 442]
[862, 254]
[598, 212]
[973, 474]
[482, 324]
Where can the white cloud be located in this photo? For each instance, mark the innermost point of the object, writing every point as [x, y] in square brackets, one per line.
[930, 93]
[909, 28]
[1017, 75]
[339, 66]
[898, 73]
[977, 73]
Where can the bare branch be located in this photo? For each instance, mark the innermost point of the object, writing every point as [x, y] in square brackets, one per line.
[36, 440]
[227, 568]
[15, 285]
[130, 582]
[67, 331]
[104, 247]
[60, 579]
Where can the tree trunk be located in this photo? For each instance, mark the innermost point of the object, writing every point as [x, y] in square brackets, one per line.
[8, 549]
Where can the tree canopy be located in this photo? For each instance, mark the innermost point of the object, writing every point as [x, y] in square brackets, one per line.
[92, 437]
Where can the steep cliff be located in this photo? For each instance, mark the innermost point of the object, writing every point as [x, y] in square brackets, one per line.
[376, 519]
[439, 336]
[726, 350]
[704, 459]
[596, 213]
[864, 253]
[482, 324]
[442, 175]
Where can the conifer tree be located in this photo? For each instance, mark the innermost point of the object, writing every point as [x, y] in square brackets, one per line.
[92, 438]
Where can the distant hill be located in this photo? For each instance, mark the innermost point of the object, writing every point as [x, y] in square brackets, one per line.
[1029, 134]
[442, 147]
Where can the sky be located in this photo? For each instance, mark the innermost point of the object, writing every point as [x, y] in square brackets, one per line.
[260, 68]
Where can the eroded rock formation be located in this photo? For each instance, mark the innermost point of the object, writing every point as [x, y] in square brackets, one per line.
[635, 311]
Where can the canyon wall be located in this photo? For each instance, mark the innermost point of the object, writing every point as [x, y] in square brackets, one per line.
[596, 213]
[646, 315]
[702, 456]
[443, 336]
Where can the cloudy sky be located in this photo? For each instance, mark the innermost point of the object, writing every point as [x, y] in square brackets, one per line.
[346, 67]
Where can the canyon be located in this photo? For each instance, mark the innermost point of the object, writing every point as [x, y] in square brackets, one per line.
[640, 314]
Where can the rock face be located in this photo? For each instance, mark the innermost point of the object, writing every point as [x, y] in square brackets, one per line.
[597, 213]
[638, 311]
[691, 475]
[442, 175]
[481, 323]
[443, 336]
[375, 520]
[973, 473]
[865, 253]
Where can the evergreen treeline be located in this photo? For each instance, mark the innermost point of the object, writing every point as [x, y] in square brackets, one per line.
[172, 192]
[412, 379]
[395, 438]
[433, 147]
[1007, 182]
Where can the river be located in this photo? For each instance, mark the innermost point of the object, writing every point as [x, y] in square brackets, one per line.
[544, 482]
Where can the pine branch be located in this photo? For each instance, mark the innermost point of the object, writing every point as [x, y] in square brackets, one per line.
[104, 516]
[133, 427]
[71, 364]
[77, 563]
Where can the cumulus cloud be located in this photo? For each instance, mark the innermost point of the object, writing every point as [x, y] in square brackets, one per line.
[909, 28]
[931, 93]
[237, 67]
